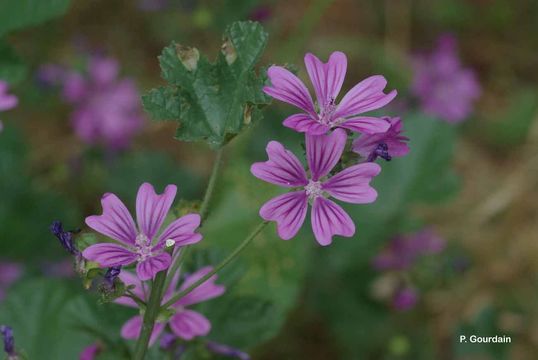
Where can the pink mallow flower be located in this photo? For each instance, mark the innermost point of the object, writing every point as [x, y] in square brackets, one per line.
[385, 145]
[90, 352]
[7, 101]
[289, 210]
[327, 80]
[185, 323]
[140, 244]
[107, 108]
[444, 87]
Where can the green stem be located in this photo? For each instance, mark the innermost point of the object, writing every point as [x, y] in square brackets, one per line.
[217, 268]
[204, 208]
[152, 311]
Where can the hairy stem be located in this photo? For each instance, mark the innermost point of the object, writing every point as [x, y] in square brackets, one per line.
[152, 311]
[217, 268]
[204, 208]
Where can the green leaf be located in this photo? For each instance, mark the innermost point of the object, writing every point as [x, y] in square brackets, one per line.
[17, 14]
[241, 321]
[162, 103]
[36, 310]
[217, 100]
[12, 68]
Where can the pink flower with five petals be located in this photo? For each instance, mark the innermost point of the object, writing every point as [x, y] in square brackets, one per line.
[289, 210]
[140, 245]
[185, 324]
[327, 79]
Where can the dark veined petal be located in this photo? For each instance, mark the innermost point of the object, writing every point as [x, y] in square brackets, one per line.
[189, 324]
[326, 78]
[289, 88]
[116, 222]
[107, 255]
[283, 168]
[329, 219]
[324, 151]
[151, 209]
[289, 212]
[366, 96]
[353, 184]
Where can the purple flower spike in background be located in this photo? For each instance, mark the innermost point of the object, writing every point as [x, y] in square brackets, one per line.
[384, 145]
[185, 324]
[10, 272]
[444, 88]
[140, 245]
[404, 250]
[327, 80]
[289, 210]
[107, 108]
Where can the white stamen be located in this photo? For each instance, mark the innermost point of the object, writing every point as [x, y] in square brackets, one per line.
[313, 189]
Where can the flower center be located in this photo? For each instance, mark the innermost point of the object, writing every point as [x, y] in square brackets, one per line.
[327, 111]
[382, 151]
[143, 247]
[313, 189]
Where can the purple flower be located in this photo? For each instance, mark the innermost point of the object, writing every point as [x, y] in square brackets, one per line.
[289, 210]
[107, 108]
[185, 323]
[327, 80]
[385, 145]
[140, 245]
[10, 272]
[403, 251]
[90, 352]
[444, 87]
[7, 101]
[405, 299]
[261, 13]
[9, 341]
[226, 350]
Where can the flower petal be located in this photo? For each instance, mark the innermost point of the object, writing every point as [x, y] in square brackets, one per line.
[182, 230]
[208, 289]
[283, 168]
[288, 88]
[329, 219]
[188, 324]
[131, 329]
[151, 209]
[148, 268]
[106, 254]
[289, 212]
[366, 125]
[116, 222]
[365, 96]
[306, 124]
[326, 78]
[352, 184]
[324, 151]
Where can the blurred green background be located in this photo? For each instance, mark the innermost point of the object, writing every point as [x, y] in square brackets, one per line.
[476, 183]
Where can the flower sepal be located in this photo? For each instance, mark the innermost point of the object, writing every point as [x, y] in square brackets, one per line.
[166, 314]
[108, 293]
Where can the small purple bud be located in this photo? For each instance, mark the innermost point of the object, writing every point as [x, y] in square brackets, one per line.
[65, 237]
[111, 274]
[226, 350]
[9, 340]
[382, 151]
